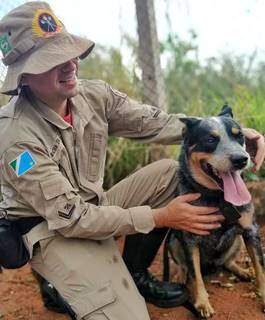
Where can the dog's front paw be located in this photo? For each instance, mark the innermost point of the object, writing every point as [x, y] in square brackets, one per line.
[204, 308]
[245, 274]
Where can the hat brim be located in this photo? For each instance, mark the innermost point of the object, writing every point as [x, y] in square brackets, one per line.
[54, 52]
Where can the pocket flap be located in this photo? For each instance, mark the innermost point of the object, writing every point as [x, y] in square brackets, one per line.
[91, 301]
[55, 186]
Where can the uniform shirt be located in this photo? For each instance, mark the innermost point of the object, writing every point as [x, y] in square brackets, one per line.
[55, 170]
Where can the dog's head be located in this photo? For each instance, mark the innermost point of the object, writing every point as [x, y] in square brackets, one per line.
[215, 154]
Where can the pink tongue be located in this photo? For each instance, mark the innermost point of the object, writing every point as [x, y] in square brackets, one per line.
[235, 190]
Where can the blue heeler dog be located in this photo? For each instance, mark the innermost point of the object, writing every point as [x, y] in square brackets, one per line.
[212, 158]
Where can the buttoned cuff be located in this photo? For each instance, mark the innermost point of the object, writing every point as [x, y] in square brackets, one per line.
[142, 218]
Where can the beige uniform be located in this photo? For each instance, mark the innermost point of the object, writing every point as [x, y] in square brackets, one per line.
[54, 170]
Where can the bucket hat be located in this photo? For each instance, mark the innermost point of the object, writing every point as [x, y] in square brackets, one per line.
[33, 40]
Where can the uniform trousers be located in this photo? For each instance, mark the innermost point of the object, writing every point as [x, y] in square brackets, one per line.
[91, 275]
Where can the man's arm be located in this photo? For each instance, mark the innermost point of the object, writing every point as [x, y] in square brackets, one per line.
[131, 119]
[44, 190]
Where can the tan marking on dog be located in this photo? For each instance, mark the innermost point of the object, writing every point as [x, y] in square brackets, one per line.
[201, 300]
[238, 271]
[260, 276]
[246, 219]
[234, 251]
[198, 174]
[215, 133]
[235, 131]
[232, 255]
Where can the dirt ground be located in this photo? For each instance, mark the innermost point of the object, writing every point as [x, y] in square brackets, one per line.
[20, 297]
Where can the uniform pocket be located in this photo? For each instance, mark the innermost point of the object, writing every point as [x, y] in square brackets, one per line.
[95, 300]
[54, 187]
[94, 156]
[94, 153]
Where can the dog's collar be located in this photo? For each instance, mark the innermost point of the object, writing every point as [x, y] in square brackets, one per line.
[230, 212]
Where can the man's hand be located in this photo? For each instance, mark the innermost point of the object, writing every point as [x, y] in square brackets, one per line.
[179, 214]
[255, 146]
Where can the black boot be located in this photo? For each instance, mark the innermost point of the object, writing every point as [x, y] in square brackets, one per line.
[52, 300]
[139, 252]
[160, 293]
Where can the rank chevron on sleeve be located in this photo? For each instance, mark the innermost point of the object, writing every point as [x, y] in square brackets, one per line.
[23, 163]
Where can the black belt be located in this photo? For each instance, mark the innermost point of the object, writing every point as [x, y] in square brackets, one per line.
[24, 225]
[13, 252]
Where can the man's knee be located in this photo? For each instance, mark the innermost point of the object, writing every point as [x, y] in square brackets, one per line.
[167, 164]
[163, 167]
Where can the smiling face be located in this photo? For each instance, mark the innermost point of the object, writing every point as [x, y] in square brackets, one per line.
[216, 155]
[55, 85]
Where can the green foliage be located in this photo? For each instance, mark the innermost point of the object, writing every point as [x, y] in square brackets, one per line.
[106, 64]
[201, 89]
[123, 157]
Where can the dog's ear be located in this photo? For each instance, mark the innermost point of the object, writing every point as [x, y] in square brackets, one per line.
[226, 111]
[190, 122]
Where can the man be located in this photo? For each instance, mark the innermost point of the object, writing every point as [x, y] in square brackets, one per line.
[55, 131]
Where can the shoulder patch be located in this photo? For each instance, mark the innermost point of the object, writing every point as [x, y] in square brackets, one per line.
[23, 163]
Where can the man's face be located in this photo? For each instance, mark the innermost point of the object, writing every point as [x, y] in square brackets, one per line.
[57, 84]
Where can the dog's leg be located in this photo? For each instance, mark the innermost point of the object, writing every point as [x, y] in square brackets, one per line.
[177, 254]
[202, 303]
[253, 245]
[244, 274]
[230, 259]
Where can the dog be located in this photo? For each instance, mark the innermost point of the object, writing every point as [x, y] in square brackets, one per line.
[212, 157]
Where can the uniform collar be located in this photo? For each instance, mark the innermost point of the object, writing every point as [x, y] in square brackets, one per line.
[83, 111]
[45, 111]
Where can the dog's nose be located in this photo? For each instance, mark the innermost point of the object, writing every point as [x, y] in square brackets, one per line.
[239, 161]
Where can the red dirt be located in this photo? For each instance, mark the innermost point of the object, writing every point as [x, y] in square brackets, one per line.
[20, 298]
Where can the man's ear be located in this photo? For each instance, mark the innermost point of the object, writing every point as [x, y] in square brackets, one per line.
[226, 111]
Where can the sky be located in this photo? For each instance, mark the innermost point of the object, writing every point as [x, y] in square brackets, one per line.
[233, 26]
[222, 25]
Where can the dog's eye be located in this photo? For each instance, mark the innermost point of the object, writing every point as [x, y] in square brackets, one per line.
[211, 139]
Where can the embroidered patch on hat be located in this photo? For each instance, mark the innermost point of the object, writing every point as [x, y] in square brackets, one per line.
[45, 24]
[23, 163]
[5, 44]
